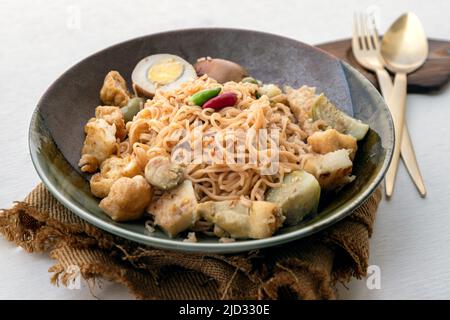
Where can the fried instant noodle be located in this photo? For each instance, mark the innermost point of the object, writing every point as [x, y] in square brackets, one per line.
[236, 172]
[157, 128]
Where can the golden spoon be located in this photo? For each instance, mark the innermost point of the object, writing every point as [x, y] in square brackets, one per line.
[404, 48]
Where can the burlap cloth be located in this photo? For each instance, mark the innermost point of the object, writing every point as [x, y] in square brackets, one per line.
[305, 269]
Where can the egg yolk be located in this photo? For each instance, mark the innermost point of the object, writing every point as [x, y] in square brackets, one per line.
[165, 71]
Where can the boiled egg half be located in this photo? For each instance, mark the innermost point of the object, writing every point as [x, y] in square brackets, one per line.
[163, 72]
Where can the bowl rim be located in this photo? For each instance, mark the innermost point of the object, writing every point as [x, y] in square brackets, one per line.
[232, 247]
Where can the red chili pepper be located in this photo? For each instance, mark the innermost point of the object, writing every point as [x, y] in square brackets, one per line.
[228, 99]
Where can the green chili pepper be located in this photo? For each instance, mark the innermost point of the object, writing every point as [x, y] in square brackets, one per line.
[132, 108]
[250, 80]
[202, 96]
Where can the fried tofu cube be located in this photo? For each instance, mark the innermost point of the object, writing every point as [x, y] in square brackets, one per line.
[332, 170]
[238, 220]
[174, 211]
[300, 100]
[331, 140]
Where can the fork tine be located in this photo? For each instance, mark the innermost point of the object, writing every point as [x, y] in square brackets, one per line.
[356, 44]
[365, 33]
[360, 32]
[374, 35]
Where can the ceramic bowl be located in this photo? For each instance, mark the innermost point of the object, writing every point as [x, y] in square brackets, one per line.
[56, 131]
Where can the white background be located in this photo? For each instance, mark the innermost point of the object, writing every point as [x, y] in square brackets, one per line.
[38, 42]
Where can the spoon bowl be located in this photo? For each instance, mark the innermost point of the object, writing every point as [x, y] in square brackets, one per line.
[404, 46]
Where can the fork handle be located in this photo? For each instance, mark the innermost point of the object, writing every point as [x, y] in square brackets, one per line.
[397, 103]
[406, 150]
[385, 82]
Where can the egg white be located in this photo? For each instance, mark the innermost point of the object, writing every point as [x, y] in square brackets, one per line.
[144, 84]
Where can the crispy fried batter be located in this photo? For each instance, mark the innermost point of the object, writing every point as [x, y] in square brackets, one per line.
[127, 199]
[100, 143]
[111, 170]
[114, 91]
[112, 115]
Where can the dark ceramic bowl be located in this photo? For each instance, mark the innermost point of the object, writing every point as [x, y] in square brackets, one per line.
[56, 131]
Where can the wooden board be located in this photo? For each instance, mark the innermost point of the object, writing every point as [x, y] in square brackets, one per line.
[432, 76]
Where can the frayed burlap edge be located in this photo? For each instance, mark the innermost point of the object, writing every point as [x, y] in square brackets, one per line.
[305, 269]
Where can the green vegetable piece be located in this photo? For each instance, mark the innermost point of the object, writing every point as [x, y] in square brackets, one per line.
[201, 97]
[269, 90]
[133, 106]
[250, 80]
[298, 196]
[323, 109]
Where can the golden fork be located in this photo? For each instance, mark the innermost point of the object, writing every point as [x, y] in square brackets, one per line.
[366, 49]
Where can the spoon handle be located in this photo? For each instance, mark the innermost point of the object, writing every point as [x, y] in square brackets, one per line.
[409, 158]
[397, 108]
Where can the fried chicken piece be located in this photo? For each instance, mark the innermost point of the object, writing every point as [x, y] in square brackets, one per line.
[112, 115]
[300, 100]
[111, 170]
[331, 140]
[100, 144]
[127, 199]
[332, 170]
[239, 221]
[174, 211]
[162, 173]
[114, 91]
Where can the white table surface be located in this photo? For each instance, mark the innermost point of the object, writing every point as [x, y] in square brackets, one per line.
[41, 39]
